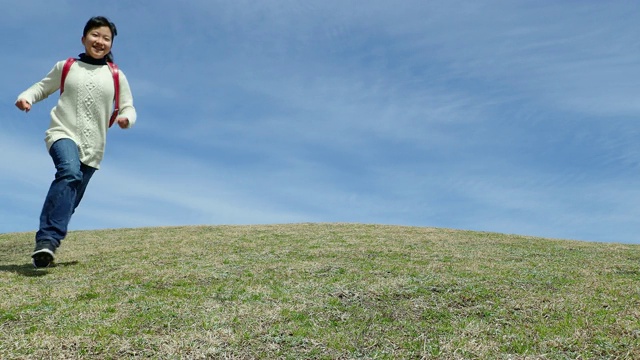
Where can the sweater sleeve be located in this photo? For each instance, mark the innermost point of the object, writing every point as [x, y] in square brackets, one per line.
[126, 100]
[45, 87]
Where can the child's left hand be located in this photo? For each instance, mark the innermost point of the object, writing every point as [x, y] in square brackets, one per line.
[123, 122]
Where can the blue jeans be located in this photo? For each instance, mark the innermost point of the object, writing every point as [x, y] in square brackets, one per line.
[65, 192]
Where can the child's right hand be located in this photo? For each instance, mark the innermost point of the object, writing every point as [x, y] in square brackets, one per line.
[23, 105]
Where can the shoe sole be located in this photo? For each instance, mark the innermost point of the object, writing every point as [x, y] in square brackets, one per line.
[42, 258]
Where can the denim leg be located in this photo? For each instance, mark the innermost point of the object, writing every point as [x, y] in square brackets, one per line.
[87, 173]
[62, 197]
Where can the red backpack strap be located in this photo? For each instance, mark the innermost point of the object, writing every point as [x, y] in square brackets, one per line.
[116, 83]
[65, 71]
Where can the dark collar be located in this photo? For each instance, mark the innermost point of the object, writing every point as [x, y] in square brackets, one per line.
[89, 60]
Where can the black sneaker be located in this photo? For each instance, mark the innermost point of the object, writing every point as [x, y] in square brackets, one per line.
[43, 255]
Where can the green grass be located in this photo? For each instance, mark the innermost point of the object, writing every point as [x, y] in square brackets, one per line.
[319, 291]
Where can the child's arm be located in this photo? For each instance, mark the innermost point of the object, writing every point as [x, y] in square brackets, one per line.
[127, 116]
[42, 89]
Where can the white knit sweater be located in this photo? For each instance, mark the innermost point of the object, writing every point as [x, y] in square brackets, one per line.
[84, 108]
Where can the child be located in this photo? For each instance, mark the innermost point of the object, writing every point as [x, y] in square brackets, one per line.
[78, 130]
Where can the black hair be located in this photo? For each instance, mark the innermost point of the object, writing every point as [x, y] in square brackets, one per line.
[100, 21]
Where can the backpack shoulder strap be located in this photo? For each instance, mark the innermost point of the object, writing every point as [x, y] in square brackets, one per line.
[116, 83]
[65, 71]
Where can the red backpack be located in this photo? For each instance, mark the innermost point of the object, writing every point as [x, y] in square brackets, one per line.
[116, 82]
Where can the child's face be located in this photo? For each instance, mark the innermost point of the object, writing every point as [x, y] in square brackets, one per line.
[97, 42]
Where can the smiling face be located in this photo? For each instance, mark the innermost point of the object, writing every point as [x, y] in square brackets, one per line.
[97, 42]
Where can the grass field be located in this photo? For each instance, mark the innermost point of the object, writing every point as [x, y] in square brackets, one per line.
[319, 291]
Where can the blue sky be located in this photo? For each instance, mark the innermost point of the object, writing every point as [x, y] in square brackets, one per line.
[518, 117]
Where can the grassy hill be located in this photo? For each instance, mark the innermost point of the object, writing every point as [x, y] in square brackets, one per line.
[334, 291]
